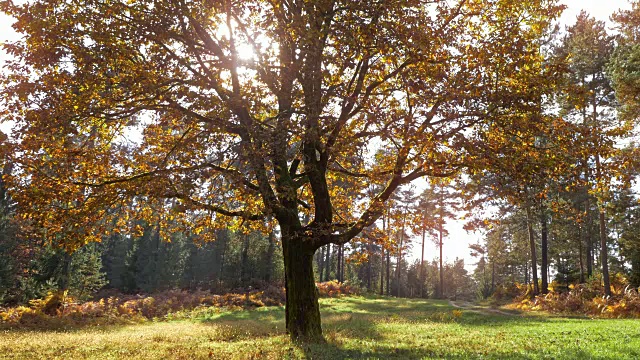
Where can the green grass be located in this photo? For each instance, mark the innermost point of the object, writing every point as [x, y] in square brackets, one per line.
[355, 328]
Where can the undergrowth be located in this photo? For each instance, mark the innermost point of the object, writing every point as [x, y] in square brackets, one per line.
[58, 309]
[584, 299]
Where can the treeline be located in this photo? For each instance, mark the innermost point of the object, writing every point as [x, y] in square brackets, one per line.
[566, 202]
[235, 261]
[144, 264]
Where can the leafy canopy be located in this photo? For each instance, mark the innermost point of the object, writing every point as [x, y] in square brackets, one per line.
[158, 109]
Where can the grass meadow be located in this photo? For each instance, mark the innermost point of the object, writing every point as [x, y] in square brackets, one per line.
[355, 328]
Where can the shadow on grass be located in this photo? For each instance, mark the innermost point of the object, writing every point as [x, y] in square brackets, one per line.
[356, 328]
[63, 324]
[338, 314]
[418, 310]
[355, 319]
[336, 351]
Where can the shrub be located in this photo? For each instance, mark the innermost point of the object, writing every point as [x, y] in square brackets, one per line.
[587, 299]
[60, 309]
[334, 288]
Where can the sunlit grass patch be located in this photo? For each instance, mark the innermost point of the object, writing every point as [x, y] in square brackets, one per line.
[354, 327]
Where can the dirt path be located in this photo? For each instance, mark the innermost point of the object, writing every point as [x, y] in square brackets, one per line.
[464, 305]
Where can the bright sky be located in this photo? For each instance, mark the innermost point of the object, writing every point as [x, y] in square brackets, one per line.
[457, 245]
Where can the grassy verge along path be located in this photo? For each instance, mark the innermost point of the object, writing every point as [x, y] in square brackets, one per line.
[355, 328]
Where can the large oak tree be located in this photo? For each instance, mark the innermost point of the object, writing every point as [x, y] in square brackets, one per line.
[220, 113]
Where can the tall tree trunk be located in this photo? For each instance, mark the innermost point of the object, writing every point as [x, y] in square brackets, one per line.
[244, 260]
[493, 276]
[399, 261]
[223, 254]
[440, 230]
[604, 251]
[342, 266]
[327, 262]
[441, 295]
[580, 254]
[382, 272]
[589, 238]
[269, 258]
[302, 312]
[587, 206]
[544, 249]
[65, 279]
[384, 231]
[369, 259]
[388, 271]
[339, 264]
[422, 265]
[532, 244]
[321, 263]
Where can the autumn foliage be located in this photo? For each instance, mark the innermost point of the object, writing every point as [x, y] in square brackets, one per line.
[334, 289]
[585, 299]
[59, 309]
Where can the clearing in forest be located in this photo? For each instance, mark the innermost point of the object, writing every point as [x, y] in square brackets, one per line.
[355, 328]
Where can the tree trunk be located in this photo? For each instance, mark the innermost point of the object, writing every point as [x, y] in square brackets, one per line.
[222, 257]
[369, 258]
[340, 269]
[244, 260]
[388, 270]
[302, 312]
[589, 238]
[321, 263]
[493, 276]
[269, 258]
[580, 254]
[399, 260]
[532, 244]
[422, 266]
[327, 263]
[604, 252]
[441, 296]
[544, 249]
[384, 231]
[440, 230]
[382, 272]
[342, 263]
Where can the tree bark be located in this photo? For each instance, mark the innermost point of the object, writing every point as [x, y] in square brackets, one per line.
[244, 260]
[339, 265]
[327, 263]
[422, 265]
[589, 239]
[544, 250]
[399, 261]
[302, 312]
[604, 251]
[369, 258]
[384, 231]
[269, 258]
[388, 271]
[340, 268]
[580, 254]
[321, 264]
[225, 240]
[441, 295]
[532, 244]
[493, 276]
[382, 272]
[440, 230]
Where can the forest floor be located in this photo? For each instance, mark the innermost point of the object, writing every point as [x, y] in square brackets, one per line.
[355, 328]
